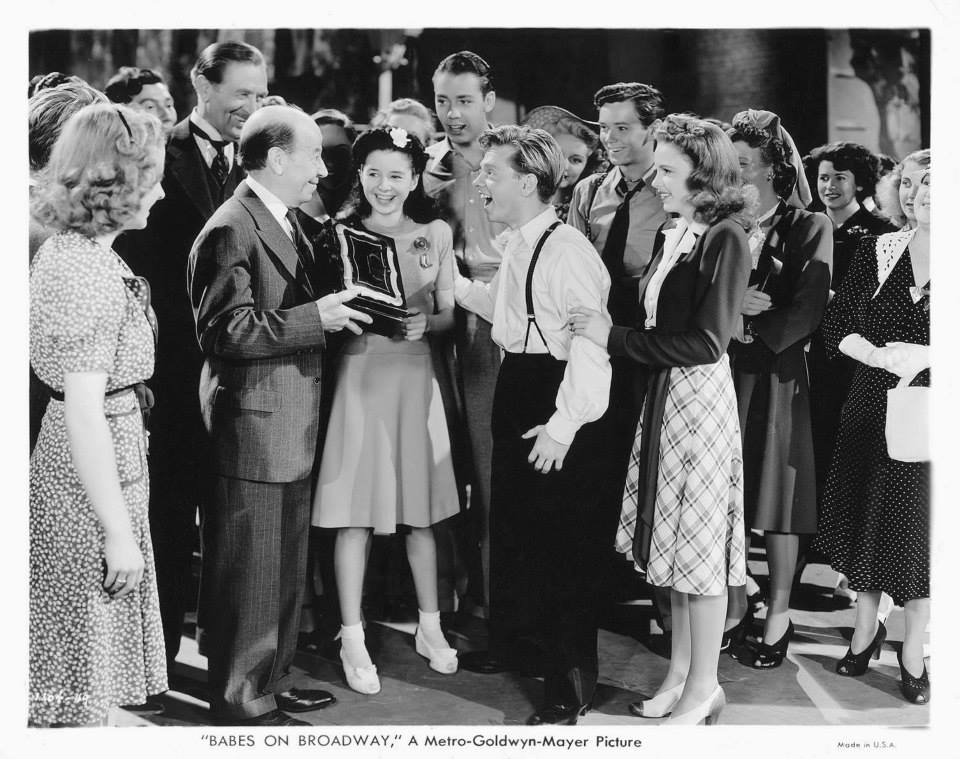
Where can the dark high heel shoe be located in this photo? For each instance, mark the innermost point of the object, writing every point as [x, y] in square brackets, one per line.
[767, 656]
[915, 689]
[737, 634]
[854, 665]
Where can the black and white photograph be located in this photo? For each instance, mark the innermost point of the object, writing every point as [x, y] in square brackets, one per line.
[483, 381]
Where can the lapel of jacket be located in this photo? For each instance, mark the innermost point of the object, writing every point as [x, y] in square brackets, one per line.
[277, 244]
[186, 165]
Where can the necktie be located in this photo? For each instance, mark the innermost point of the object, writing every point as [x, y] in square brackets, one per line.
[304, 251]
[616, 242]
[623, 299]
[219, 167]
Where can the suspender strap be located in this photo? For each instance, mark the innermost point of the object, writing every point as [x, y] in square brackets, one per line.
[531, 316]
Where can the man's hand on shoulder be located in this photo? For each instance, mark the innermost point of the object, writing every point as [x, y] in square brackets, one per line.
[334, 316]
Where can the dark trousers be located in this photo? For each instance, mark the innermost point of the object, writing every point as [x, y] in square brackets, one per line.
[180, 484]
[550, 534]
[255, 538]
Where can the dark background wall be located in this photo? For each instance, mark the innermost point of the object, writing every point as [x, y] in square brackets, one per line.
[710, 72]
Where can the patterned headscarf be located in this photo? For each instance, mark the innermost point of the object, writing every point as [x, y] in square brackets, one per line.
[769, 122]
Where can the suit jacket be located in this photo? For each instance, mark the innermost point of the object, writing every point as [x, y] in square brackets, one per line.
[262, 340]
[159, 252]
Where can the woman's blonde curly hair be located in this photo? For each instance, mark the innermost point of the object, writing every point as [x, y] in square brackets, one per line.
[105, 160]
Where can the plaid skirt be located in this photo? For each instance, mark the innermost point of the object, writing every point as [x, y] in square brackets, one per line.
[698, 538]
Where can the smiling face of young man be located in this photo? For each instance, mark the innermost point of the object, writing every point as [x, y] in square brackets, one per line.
[462, 107]
[505, 192]
[629, 144]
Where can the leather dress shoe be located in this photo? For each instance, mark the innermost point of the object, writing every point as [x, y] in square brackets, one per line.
[303, 700]
[484, 663]
[559, 714]
[275, 718]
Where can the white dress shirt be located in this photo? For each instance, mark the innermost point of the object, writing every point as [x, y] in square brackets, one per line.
[206, 149]
[569, 273]
[277, 208]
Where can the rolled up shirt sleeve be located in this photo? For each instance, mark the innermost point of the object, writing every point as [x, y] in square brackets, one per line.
[478, 297]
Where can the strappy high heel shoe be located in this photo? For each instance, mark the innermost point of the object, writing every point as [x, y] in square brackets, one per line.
[361, 679]
[660, 705]
[915, 689]
[768, 656]
[737, 634]
[442, 660]
[707, 713]
[854, 665]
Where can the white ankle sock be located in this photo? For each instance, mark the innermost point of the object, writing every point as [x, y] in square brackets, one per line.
[430, 629]
[352, 641]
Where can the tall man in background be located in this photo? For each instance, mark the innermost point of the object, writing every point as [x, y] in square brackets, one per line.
[464, 98]
[200, 172]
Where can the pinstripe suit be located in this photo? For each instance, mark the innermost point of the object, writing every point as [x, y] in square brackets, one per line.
[261, 336]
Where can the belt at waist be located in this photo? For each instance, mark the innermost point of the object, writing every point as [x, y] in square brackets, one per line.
[58, 396]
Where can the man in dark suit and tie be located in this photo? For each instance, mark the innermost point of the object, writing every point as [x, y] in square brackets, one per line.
[200, 172]
[261, 330]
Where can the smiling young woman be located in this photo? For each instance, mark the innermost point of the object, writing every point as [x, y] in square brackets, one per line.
[389, 467]
[682, 517]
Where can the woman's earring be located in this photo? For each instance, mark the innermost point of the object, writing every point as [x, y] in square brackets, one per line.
[770, 175]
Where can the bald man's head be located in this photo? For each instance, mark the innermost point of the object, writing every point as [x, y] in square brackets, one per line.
[281, 148]
[274, 126]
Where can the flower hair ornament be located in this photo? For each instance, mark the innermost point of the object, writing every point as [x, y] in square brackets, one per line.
[754, 121]
[399, 136]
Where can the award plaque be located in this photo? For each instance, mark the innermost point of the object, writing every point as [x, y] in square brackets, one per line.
[371, 270]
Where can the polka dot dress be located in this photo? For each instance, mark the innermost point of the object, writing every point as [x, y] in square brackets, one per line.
[88, 652]
[875, 525]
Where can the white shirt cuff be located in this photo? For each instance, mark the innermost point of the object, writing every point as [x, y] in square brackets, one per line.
[561, 429]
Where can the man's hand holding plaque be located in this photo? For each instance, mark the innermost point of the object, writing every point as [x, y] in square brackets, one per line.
[335, 316]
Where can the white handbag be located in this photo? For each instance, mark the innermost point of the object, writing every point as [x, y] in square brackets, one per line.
[908, 422]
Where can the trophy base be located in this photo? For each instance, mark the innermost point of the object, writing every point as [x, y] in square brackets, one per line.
[387, 320]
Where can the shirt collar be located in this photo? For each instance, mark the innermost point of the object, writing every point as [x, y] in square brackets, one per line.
[205, 125]
[276, 207]
[531, 231]
[622, 182]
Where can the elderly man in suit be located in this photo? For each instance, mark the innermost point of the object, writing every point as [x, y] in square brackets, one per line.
[200, 172]
[261, 329]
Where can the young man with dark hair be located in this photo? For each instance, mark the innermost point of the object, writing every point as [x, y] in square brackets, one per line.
[464, 98]
[144, 90]
[621, 212]
[548, 530]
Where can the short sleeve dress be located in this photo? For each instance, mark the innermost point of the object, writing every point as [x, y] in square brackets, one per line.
[88, 652]
[875, 521]
[387, 459]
